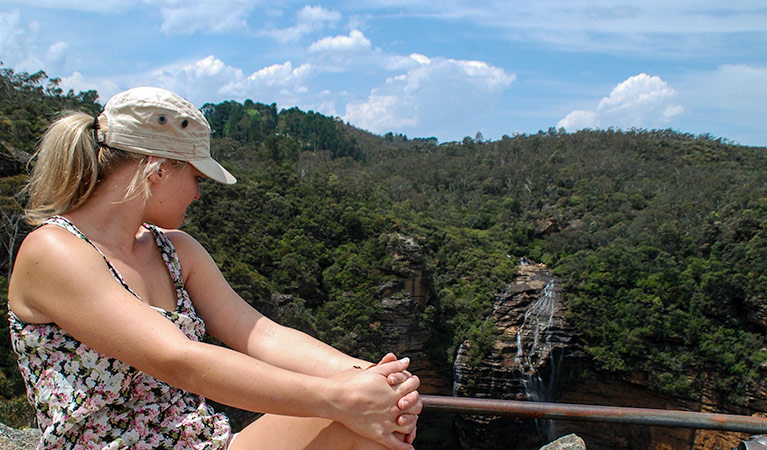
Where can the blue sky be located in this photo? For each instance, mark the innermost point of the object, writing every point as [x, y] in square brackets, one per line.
[446, 69]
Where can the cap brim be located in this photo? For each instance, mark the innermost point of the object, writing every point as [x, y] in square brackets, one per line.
[213, 170]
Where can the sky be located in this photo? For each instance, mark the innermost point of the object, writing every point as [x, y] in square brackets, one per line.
[446, 69]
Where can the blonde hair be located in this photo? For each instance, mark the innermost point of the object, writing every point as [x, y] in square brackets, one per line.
[69, 164]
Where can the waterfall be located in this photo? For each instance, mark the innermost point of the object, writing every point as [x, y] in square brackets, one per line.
[524, 362]
[533, 336]
[456, 373]
[533, 347]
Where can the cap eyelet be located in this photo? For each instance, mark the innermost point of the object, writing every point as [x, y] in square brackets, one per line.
[161, 119]
[184, 123]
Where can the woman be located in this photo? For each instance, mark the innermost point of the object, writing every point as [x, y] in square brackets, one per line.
[108, 312]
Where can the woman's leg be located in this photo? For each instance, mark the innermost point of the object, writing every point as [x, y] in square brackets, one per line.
[274, 432]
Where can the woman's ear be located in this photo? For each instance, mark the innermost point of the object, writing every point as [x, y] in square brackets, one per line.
[157, 174]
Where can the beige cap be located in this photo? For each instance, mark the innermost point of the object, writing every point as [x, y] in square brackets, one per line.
[157, 122]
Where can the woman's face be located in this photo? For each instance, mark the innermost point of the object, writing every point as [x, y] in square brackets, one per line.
[172, 193]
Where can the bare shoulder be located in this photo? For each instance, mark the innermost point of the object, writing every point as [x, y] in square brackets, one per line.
[186, 245]
[48, 257]
[51, 249]
[180, 238]
[191, 254]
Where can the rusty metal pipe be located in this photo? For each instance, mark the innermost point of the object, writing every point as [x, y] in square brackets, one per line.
[593, 413]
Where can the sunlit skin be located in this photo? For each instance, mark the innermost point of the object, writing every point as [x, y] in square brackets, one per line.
[170, 200]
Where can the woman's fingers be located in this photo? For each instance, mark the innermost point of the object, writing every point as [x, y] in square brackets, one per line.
[407, 424]
[410, 403]
[406, 438]
[407, 419]
[391, 367]
[410, 437]
[397, 441]
[389, 357]
[398, 377]
[407, 386]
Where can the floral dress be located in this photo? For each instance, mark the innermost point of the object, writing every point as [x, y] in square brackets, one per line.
[86, 400]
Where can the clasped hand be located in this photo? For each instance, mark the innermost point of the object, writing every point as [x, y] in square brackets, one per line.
[386, 402]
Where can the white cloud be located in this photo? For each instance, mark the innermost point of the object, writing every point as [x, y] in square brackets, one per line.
[279, 83]
[308, 20]
[733, 87]
[211, 80]
[200, 81]
[434, 94]
[729, 101]
[650, 27]
[355, 43]
[56, 56]
[381, 112]
[221, 16]
[187, 17]
[20, 47]
[317, 15]
[420, 59]
[78, 83]
[101, 6]
[17, 43]
[642, 101]
[399, 63]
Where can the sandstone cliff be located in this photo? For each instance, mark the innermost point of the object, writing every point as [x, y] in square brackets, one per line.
[403, 302]
[535, 356]
[532, 339]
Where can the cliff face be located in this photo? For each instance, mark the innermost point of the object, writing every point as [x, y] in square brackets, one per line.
[535, 356]
[403, 302]
[531, 335]
[530, 342]
[631, 391]
[12, 160]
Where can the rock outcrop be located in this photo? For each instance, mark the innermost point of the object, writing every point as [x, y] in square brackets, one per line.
[531, 339]
[403, 302]
[534, 356]
[12, 160]
[569, 442]
[18, 439]
[632, 391]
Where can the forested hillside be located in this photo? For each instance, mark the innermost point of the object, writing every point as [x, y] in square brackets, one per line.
[660, 238]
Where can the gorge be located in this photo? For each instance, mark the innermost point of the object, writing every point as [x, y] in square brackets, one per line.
[535, 356]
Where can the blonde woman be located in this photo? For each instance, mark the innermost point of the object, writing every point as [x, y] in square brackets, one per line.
[109, 303]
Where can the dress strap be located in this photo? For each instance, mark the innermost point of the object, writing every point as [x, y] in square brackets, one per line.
[169, 254]
[66, 224]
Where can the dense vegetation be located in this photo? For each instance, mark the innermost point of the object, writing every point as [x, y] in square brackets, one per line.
[660, 238]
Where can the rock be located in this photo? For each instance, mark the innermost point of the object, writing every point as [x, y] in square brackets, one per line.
[569, 442]
[632, 391]
[545, 227]
[756, 312]
[12, 160]
[504, 372]
[522, 362]
[403, 301]
[18, 439]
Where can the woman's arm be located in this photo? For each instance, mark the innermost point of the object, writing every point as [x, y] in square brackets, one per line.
[231, 320]
[64, 279]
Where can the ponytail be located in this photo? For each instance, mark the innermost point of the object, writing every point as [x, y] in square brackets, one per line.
[66, 169]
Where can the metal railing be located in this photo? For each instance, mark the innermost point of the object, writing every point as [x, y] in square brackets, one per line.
[593, 413]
